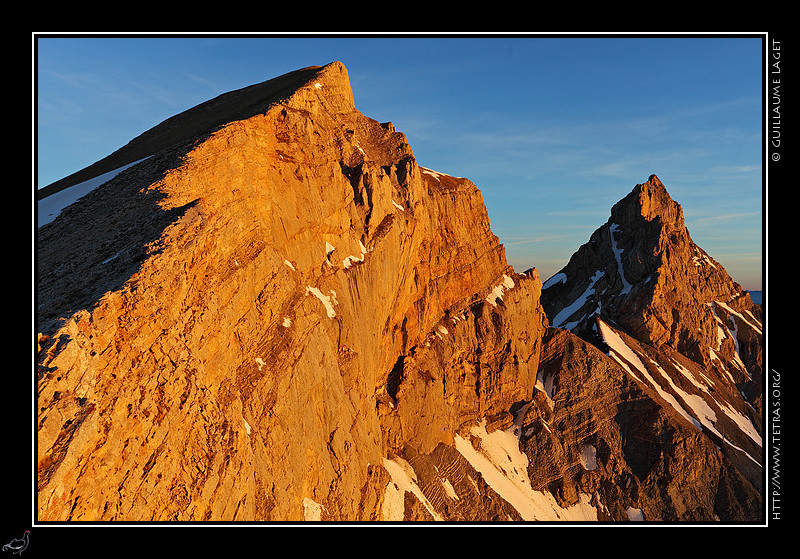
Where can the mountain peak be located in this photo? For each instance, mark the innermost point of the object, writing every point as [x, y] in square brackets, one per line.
[330, 81]
[649, 200]
[642, 272]
[273, 254]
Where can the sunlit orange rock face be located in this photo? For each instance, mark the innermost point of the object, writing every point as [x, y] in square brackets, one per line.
[243, 367]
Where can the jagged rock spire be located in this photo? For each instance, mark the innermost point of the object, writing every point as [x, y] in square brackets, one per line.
[642, 272]
[645, 294]
[649, 200]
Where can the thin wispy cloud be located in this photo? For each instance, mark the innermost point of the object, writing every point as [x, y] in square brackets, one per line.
[513, 241]
[738, 169]
[726, 217]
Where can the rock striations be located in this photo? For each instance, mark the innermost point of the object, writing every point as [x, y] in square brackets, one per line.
[276, 314]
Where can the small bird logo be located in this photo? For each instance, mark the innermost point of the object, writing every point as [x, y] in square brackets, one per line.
[18, 545]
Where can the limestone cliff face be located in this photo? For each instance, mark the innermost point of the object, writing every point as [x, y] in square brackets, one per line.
[266, 325]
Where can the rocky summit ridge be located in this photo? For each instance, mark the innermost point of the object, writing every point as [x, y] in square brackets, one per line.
[277, 314]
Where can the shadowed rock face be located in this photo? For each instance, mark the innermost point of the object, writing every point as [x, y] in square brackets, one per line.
[645, 294]
[642, 272]
[280, 315]
[604, 429]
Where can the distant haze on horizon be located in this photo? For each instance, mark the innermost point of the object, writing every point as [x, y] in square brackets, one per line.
[553, 130]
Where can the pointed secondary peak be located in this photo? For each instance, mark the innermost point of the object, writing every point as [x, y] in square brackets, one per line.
[654, 180]
[649, 200]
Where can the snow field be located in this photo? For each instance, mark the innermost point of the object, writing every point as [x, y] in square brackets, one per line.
[504, 468]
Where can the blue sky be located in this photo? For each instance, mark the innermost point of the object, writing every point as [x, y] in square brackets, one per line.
[553, 130]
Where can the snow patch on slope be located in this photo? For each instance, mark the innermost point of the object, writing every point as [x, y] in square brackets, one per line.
[626, 287]
[560, 277]
[312, 511]
[328, 300]
[566, 312]
[754, 324]
[497, 291]
[50, 207]
[350, 260]
[627, 358]
[403, 479]
[700, 258]
[435, 174]
[702, 414]
[505, 468]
